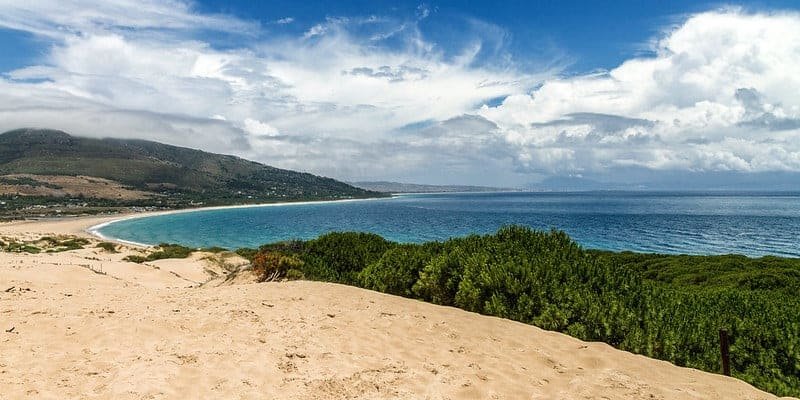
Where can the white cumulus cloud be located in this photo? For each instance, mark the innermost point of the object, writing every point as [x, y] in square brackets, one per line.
[722, 93]
[371, 98]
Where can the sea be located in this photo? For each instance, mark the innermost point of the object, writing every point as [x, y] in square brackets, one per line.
[747, 223]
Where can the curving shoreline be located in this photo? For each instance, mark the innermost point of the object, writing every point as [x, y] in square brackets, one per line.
[94, 230]
[662, 224]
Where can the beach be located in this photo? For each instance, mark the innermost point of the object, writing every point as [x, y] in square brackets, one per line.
[86, 324]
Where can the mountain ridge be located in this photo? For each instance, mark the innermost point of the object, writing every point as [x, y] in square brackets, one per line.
[399, 187]
[175, 176]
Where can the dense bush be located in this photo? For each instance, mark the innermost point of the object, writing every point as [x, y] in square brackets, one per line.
[396, 271]
[666, 307]
[704, 272]
[339, 257]
[247, 253]
[272, 266]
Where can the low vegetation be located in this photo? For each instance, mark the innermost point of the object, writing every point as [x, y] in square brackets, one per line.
[163, 251]
[48, 244]
[666, 307]
[19, 247]
[108, 246]
[59, 244]
[214, 250]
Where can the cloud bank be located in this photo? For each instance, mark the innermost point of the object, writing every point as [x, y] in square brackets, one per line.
[720, 94]
[371, 98]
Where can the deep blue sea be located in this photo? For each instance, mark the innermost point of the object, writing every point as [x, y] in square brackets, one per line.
[753, 224]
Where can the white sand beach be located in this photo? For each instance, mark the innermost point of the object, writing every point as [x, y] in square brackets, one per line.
[86, 324]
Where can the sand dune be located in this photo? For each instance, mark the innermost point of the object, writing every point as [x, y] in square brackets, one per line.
[88, 325]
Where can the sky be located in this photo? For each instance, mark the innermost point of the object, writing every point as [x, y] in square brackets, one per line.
[646, 94]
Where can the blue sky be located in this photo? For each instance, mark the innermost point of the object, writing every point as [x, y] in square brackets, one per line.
[593, 34]
[588, 34]
[500, 93]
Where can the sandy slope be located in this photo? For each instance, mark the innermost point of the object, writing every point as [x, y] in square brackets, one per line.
[88, 325]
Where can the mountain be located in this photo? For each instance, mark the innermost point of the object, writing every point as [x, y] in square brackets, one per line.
[164, 174]
[396, 187]
[577, 184]
[690, 181]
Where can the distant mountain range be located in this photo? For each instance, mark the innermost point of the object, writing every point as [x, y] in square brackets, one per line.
[678, 181]
[47, 163]
[396, 187]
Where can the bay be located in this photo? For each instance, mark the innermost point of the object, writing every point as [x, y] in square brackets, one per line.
[753, 224]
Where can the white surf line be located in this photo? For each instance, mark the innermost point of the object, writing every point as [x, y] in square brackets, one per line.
[95, 230]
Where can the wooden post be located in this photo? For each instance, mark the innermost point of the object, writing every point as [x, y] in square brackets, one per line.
[724, 349]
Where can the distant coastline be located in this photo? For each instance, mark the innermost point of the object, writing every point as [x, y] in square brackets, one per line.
[416, 188]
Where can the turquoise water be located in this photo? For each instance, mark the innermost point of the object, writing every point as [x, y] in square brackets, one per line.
[753, 224]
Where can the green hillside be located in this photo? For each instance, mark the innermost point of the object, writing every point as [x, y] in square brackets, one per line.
[175, 175]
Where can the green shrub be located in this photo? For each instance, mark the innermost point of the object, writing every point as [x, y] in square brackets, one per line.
[59, 244]
[396, 271]
[286, 246]
[339, 257]
[165, 250]
[17, 247]
[107, 246]
[214, 250]
[440, 278]
[135, 259]
[73, 244]
[30, 249]
[294, 275]
[272, 266]
[246, 253]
